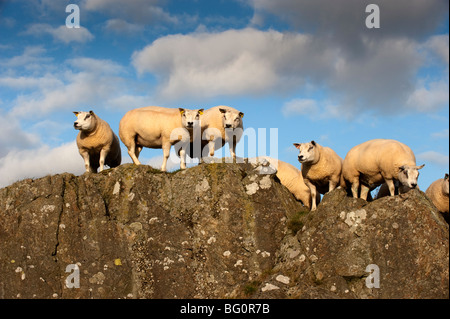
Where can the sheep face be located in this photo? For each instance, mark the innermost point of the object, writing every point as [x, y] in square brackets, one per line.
[231, 119]
[445, 187]
[85, 121]
[408, 175]
[307, 152]
[190, 118]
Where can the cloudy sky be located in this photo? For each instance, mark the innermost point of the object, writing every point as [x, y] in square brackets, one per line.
[311, 69]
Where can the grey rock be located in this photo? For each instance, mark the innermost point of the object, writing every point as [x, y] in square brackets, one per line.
[212, 231]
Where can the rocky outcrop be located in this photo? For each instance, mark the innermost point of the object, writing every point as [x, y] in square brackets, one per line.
[394, 247]
[135, 232]
[212, 231]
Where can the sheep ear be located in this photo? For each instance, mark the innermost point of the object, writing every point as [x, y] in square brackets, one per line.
[76, 113]
[313, 143]
[200, 111]
[446, 176]
[297, 145]
[181, 110]
[241, 114]
[420, 167]
[223, 111]
[91, 112]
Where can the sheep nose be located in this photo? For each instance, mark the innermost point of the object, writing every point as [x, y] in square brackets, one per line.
[227, 125]
[300, 157]
[75, 124]
[190, 123]
[414, 185]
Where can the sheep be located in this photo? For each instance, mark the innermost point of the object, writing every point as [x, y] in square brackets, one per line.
[321, 168]
[438, 193]
[376, 161]
[289, 176]
[158, 127]
[96, 141]
[219, 125]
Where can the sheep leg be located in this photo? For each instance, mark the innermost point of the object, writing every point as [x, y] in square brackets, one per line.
[166, 153]
[364, 191]
[202, 150]
[391, 185]
[332, 185]
[182, 154]
[233, 149]
[355, 188]
[134, 153]
[211, 151]
[87, 165]
[313, 191]
[211, 148]
[138, 150]
[103, 154]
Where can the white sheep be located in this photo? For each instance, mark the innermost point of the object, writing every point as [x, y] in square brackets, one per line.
[438, 193]
[219, 125]
[289, 176]
[321, 168]
[376, 161]
[158, 127]
[97, 143]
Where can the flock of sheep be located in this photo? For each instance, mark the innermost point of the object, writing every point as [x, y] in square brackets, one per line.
[198, 133]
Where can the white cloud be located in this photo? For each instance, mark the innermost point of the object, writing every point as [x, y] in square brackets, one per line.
[434, 157]
[323, 109]
[31, 58]
[122, 26]
[12, 137]
[439, 45]
[94, 83]
[431, 97]
[300, 107]
[128, 101]
[82, 89]
[39, 162]
[232, 62]
[441, 134]
[28, 82]
[68, 35]
[138, 11]
[431, 92]
[254, 62]
[96, 66]
[61, 33]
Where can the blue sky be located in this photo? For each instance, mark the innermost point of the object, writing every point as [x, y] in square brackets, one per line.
[311, 69]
